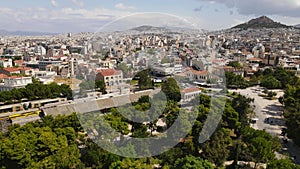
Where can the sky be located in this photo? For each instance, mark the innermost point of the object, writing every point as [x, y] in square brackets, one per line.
[62, 16]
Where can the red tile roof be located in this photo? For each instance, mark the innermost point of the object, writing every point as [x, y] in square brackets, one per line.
[14, 77]
[189, 90]
[19, 61]
[2, 76]
[109, 72]
[24, 68]
[11, 69]
[196, 72]
[247, 53]
[17, 77]
[255, 59]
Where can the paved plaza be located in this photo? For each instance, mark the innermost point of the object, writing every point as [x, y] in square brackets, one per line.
[269, 116]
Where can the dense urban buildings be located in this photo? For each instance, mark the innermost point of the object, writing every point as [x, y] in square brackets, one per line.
[45, 76]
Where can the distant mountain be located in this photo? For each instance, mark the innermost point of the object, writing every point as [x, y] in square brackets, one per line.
[24, 33]
[297, 26]
[261, 22]
[146, 28]
[173, 29]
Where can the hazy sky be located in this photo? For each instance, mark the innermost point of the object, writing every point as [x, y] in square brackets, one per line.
[90, 15]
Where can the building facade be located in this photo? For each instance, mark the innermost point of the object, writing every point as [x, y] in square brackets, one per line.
[14, 82]
[112, 78]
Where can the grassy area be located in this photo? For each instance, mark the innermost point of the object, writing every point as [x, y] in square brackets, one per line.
[134, 82]
[232, 94]
[157, 84]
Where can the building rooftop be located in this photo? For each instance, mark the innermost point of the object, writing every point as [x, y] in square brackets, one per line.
[17, 77]
[11, 69]
[196, 72]
[2, 76]
[189, 90]
[109, 72]
[255, 59]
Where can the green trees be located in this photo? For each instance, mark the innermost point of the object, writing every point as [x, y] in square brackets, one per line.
[268, 72]
[277, 78]
[235, 64]
[171, 90]
[100, 85]
[51, 143]
[271, 94]
[36, 90]
[241, 105]
[216, 149]
[260, 145]
[169, 157]
[191, 162]
[282, 164]
[92, 85]
[270, 82]
[118, 122]
[285, 77]
[235, 81]
[230, 117]
[291, 101]
[145, 81]
[95, 157]
[261, 150]
[60, 143]
[34, 147]
[89, 85]
[274, 79]
[133, 164]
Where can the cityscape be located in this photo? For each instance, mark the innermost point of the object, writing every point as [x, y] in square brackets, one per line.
[151, 90]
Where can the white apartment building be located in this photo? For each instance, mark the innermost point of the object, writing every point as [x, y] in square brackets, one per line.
[14, 82]
[189, 93]
[166, 69]
[72, 67]
[6, 63]
[45, 77]
[195, 75]
[112, 78]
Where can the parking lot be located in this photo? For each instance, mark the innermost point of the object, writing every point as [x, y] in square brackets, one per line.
[269, 117]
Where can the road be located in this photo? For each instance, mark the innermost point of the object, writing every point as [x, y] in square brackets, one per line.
[269, 117]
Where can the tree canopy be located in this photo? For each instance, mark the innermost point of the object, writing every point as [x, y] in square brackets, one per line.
[34, 91]
[61, 142]
[291, 101]
[171, 89]
[235, 64]
[37, 145]
[282, 164]
[191, 162]
[144, 80]
[235, 81]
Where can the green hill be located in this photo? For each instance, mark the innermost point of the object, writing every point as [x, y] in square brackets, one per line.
[261, 22]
